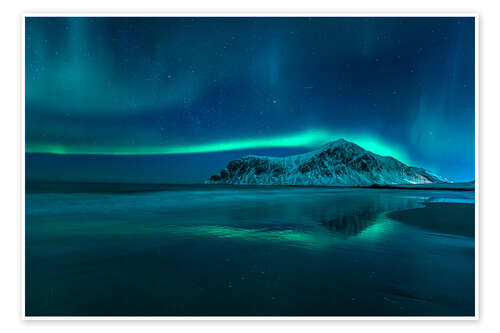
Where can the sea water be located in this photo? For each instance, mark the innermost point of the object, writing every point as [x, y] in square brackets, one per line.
[201, 250]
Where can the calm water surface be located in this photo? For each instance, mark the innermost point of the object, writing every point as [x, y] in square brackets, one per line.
[222, 250]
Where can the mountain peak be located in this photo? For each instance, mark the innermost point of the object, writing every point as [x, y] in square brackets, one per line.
[337, 143]
[341, 140]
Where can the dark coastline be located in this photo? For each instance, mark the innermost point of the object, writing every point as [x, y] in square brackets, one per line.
[113, 187]
[442, 217]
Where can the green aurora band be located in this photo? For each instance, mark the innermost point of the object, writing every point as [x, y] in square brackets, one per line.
[310, 139]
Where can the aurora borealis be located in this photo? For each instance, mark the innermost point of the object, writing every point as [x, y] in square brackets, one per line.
[173, 99]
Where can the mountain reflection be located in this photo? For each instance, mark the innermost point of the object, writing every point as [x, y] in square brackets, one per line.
[352, 223]
[351, 216]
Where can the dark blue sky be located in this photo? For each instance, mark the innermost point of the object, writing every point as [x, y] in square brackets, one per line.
[176, 98]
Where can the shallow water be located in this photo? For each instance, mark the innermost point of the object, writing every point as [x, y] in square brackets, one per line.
[230, 250]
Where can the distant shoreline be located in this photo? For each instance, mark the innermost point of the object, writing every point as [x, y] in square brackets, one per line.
[114, 187]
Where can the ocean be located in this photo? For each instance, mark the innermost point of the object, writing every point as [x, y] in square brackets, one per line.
[215, 250]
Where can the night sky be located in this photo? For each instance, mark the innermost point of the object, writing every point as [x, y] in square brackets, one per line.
[172, 100]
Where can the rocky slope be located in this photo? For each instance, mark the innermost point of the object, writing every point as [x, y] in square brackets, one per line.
[337, 163]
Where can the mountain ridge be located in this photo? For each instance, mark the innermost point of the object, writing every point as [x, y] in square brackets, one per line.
[336, 163]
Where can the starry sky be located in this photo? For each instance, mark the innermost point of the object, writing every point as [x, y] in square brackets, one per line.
[172, 100]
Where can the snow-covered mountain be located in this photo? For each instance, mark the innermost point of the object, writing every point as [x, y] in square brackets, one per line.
[337, 163]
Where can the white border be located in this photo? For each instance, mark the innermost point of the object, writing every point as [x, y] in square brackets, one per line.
[239, 14]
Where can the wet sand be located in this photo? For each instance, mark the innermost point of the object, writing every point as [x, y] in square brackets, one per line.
[446, 218]
[204, 250]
